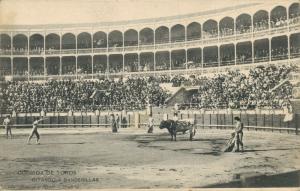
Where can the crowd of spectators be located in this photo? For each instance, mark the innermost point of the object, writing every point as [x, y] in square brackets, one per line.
[261, 25]
[179, 80]
[83, 95]
[278, 22]
[213, 33]
[279, 53]
[226, 31]
[241, 28]
[295, 51]
[243, 56]
[294, 18]
[36, 50]
[227, 59]
[178, 63]
[261, 55]
[236, 90]
[5, 49]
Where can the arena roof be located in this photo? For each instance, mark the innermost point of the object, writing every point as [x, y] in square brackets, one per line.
[69, 13]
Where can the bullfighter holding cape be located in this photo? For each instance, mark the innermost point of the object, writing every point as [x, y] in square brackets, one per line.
[236, 140]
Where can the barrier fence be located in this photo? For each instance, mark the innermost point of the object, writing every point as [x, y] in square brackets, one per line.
[252, 121]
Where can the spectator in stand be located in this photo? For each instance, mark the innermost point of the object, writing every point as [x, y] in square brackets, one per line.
[55, 95]
[236, 90]
[231, 90]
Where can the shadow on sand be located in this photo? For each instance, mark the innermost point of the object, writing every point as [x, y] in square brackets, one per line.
[289, 179]
[262, 150]
[80, 143]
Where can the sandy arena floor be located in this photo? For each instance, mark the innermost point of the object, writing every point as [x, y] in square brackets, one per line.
[134, 159]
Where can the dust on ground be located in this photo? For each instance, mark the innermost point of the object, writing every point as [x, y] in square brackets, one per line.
[140, 160]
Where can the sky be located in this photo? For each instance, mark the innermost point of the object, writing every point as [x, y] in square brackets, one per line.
[31, 12]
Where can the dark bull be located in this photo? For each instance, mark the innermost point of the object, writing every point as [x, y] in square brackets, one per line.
[178, 126]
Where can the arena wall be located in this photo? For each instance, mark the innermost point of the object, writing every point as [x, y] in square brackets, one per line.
[253, 120]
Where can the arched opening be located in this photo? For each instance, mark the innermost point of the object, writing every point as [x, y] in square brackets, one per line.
[210, 56]
[68, 41]
[294, 13]
[20, 44]
[5, 66]
[243, 24]
[177, 33]
[162, 61]
[244, 52]
[146, 61]
[131, 63]
[52, 65]
[194, 57]
[193, 31]
[115, 39]
[100, 40]
[84, 65]
[146, 36]
[178, 59]
[210, 29]
[261, 20]
[100, 64]
[131, 38]
[36, 44]
[84, 40]
[295, 45]
[279, 47]
[52, 42]
[278, 17]
[227, 56]
[68, 65]
[5, 43]
[116, 63]
[36, 66]
[226, 26]
[261, 50]
[20, 66]
[162, 35]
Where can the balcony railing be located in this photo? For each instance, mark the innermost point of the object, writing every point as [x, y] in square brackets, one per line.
[115, 49]
[5, 52]
[100, 50]
[50, 52]
[20, 52]
[130, 48]
[208, 69]
[68, 51]
[84, 51]
[36, 52]
[205, 40]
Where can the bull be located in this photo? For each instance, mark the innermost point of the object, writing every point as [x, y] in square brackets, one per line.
[178, 126]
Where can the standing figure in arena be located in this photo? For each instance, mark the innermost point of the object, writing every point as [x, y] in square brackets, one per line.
[288, 111]
[150, 124]
[175, 118]
[117, 121]
[238, 134]
[113, 123]
[176, 108]
[34, 130]
[6, 123]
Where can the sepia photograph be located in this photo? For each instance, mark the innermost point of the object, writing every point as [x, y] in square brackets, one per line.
[149, 95]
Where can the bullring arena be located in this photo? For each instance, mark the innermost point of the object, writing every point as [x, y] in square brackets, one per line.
[204, 68]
